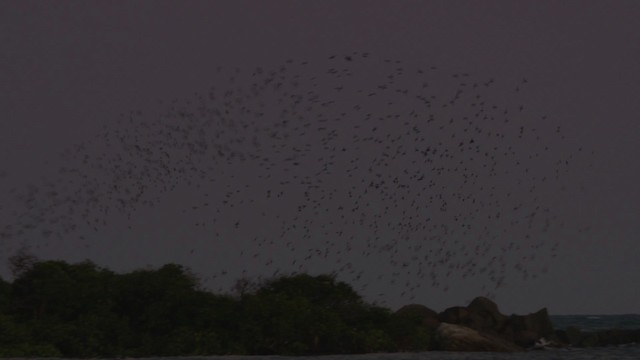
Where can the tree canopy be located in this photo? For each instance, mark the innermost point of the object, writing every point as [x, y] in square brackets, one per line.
[53, 308]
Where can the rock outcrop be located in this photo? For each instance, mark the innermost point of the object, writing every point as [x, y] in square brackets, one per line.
[481, 326]
[459, 315]
[525, 330]
[450, 337]
[483, 316]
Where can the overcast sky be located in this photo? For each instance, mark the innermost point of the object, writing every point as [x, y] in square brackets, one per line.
[71, 69]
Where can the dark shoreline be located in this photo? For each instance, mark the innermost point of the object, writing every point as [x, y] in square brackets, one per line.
[57, 309]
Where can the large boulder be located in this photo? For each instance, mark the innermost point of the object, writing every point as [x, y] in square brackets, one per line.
[451, 337]
[539, 322]
[485, 315]
[456, 315]
[525, 330]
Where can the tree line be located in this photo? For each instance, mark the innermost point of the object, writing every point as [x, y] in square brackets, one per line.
[58, 309]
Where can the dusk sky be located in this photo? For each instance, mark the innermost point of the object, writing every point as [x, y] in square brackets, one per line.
[423, 151]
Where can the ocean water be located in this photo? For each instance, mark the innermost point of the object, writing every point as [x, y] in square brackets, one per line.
[596, 322]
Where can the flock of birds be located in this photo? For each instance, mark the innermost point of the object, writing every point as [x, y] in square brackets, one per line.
[378, 171]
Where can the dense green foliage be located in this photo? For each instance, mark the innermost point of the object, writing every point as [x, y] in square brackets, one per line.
[58, 309]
